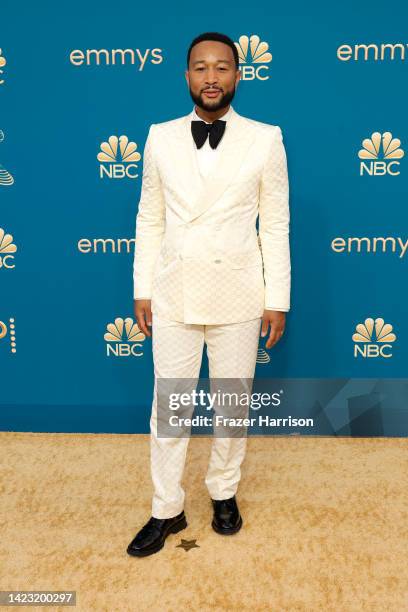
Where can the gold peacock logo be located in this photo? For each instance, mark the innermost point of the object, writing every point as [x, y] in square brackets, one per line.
[124, 338]
[254, 55]
[118, 157]
[7, 248]
[375, 336]
[380, 153]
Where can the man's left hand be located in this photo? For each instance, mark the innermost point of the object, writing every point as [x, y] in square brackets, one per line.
[276, 319]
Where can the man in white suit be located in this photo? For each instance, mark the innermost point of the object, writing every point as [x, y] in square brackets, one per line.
[202, 273]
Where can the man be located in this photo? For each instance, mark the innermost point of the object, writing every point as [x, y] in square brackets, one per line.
[202, 275]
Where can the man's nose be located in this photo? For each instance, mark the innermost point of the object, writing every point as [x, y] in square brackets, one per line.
[211, 77]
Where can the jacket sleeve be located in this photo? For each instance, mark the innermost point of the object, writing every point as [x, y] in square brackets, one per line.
[150, 223]
[274, 220]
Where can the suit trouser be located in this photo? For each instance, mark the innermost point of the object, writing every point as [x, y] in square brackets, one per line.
[177, 353]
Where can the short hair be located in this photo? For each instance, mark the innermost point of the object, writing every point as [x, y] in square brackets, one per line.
[218, 37]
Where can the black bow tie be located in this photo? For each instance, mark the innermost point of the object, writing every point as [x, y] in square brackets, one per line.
[201, 129]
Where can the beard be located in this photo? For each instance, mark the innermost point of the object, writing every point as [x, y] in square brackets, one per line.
[209, 106]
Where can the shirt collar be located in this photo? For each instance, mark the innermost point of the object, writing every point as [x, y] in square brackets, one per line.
[225, 117]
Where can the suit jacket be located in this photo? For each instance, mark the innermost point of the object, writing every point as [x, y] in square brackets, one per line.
[198, 255]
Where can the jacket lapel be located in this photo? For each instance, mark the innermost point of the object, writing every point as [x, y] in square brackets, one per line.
[233, 147]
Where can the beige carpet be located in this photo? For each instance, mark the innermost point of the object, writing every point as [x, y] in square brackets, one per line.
[325, 525]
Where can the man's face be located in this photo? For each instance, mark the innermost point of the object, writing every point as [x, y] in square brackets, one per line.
[211, 75]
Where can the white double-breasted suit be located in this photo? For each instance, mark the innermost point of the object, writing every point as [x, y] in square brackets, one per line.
[208, 273]
[198, 256]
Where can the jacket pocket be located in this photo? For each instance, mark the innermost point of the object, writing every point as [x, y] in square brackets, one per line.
[240, 261]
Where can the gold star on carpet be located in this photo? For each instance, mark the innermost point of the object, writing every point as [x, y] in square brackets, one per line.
[187, 544]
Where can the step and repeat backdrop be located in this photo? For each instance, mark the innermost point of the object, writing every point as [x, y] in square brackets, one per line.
[79, 88]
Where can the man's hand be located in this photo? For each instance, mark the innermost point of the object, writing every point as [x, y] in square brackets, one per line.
[143, 315]
[276, 319]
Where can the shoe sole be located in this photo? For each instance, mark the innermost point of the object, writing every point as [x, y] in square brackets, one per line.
[228, 531]
[173, 529]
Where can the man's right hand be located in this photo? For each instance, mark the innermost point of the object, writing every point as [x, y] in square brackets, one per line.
[143, 315]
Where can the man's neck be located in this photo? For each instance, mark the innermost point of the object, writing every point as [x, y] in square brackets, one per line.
[210, 116]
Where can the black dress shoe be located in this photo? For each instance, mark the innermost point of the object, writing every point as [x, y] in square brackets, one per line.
[227, 519]
[152, 536]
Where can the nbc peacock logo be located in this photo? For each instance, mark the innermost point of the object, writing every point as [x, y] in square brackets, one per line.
[5, 177]
[7, 248]
[118, 158]
[373, 339]
[254, 57]
[380, 155]
[124, 338]
[8, 331]
[3, 62]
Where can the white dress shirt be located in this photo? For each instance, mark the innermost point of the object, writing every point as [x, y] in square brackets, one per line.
[206, 156]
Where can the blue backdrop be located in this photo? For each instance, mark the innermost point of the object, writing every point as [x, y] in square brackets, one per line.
[72, 78]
